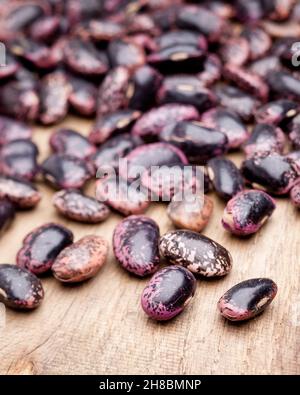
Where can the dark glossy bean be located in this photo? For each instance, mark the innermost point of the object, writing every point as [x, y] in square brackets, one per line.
[112, 91]
[54, 94]
[7, 214]
[123, 52]
[81, 260]
[295, 195]
[247, 299]
[16, 16]
[111, 124]
[19, 289]
[185, 89]
[157, 154]
[82, 97]
[180, 58]
[247, 212]
[202, 20]
[20, 192]
[263, 139]
[225, 177]
[71, 142]
[168, 293]
[212, 70]
[129, 235]
[113, 149]
[284, 84]
[84, 58]
[19, 158]
[41, 246]
[246, 80]
[238, 101]
[235, 50]
[274, 173]
[36, 54]
[65, 171]
[152, 122]
[45, 29]
[190, 212]
[259, 41]
[227, 122]
[121, 196]
[182, 37]
[73, 204]
[278, 112]
[11, 130]
[19, 101]
[142, 88]
[196, 252]
[196, 141]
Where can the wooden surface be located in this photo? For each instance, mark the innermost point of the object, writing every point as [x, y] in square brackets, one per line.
[98, 327]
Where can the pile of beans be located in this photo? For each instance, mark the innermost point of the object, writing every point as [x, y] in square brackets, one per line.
[168, 83]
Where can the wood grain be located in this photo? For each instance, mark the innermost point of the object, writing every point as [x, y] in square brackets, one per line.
[99, 328]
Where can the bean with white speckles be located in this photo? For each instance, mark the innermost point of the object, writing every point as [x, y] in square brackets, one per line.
[168, 292]
[135, 243]
[196, 252]
[19, 288]
[247, 299]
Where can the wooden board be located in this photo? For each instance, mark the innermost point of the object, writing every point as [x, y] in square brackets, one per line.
[99, 327]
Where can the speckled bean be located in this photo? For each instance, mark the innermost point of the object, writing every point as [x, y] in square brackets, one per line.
[71, 142]
[19, 288]
[42, 245]
[190, 212]
[196, 252]
[295, 195]
[197, 142]
[66, 171]
[247, 299]
[135, 243]
[75, 205]
[168, 293]
[247, 212]
[152, 122]
[81, 260]
[22, 193]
